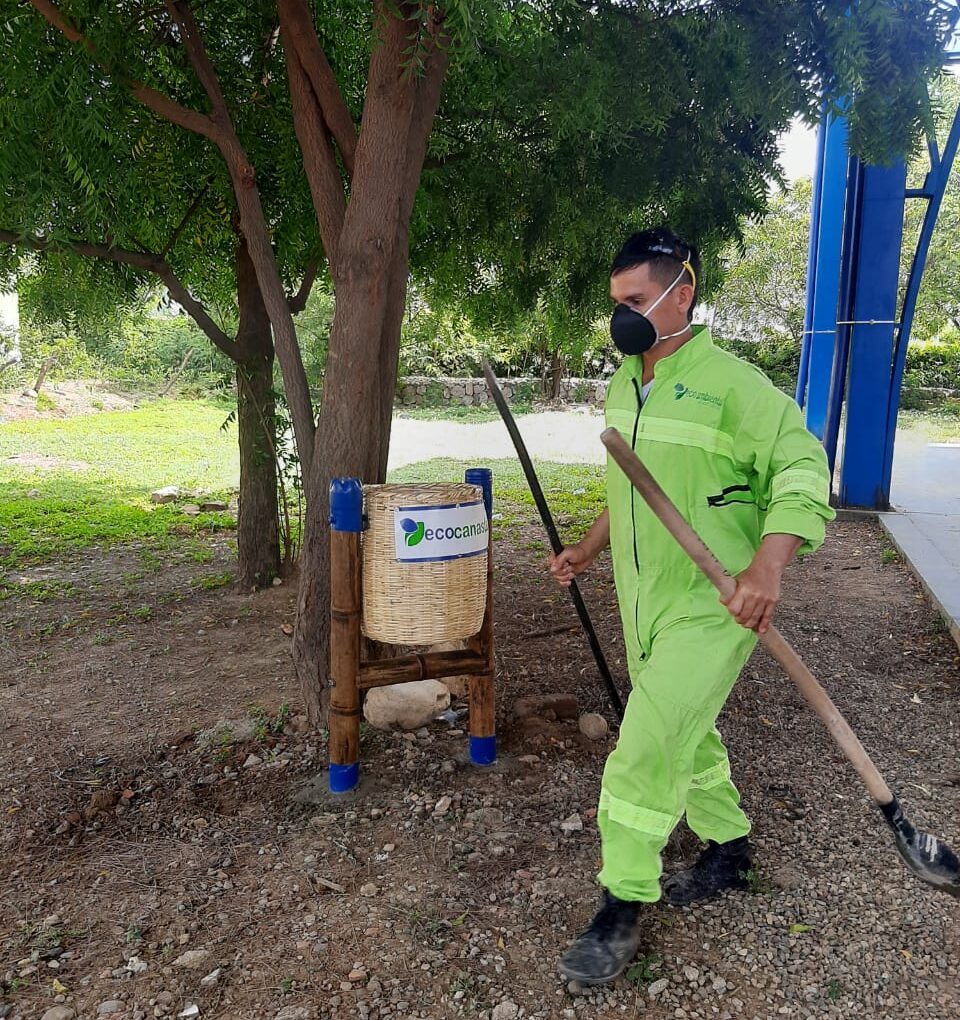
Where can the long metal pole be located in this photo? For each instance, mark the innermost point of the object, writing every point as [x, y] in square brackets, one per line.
[555, 543]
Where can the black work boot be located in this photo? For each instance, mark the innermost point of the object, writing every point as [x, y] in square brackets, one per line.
[721, 866]
[607, 946]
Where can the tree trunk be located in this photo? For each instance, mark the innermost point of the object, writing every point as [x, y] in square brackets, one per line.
[48, 363]
[177, 372]
[557, 369]
[355, 439]
[258, 533]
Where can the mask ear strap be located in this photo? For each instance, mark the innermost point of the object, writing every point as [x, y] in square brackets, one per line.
[689, 269]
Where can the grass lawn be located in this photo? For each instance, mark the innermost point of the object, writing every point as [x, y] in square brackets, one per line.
[87, 480]
[941, 425]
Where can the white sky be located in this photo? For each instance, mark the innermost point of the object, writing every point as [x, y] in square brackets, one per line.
[8, 311]
[798, 151]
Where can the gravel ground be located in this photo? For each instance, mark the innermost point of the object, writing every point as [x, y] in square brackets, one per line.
[209, 874]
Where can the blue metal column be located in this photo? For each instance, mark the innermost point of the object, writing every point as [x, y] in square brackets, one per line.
[871, 346]
[852, 225]
[813, 248]
[826, 280]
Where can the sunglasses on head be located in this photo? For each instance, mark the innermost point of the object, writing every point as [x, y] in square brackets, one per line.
[674, 253]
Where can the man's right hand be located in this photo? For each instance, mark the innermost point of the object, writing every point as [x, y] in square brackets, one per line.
[573, 560]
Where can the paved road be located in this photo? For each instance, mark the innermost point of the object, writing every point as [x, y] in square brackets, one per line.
[570, 437]
[926, 474]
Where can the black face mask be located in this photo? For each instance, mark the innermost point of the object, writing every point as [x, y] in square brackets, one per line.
[632, 332]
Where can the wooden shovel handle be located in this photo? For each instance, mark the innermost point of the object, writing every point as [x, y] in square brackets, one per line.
[775, 643]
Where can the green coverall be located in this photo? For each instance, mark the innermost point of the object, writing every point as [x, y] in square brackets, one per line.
[733, 454]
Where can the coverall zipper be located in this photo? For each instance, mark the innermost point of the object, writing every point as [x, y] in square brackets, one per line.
[633, 522]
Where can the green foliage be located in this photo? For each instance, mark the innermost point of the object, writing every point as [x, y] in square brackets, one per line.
[645, 970]
[70, 514]
[938, 305]
[777, 356]
[440, 343]
[759, 310]
[267, 724]
[524, 395]
[577, 124]
[139, 347]
[151, 348]
[562, 127]
[764, 283]
[453, 412]
[210, 582]
[60, 341]
[313, 330]
[433, 397]
[935, 363]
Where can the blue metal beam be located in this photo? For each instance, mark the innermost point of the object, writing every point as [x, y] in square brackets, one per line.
[852, 227]
[874, 309]
[813, 249]
[826, 281]
[937, 190]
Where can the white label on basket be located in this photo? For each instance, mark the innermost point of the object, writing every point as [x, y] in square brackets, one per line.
[440, 532]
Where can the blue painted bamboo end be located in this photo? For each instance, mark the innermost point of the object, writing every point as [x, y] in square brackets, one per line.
[346, 504]
[343, 778]
[483, 750]
[483, 477]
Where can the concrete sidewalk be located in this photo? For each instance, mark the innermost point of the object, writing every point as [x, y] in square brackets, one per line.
[925, 526]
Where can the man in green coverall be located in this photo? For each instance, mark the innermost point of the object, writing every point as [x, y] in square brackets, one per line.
[732, 453]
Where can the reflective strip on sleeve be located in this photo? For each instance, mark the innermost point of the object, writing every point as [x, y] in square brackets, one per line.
[653, 823]
[671, 430]
[806, 483]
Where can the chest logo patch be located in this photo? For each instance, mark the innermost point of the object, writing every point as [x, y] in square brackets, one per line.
[680, 391]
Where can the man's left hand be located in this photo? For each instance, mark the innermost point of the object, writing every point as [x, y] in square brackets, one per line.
[754, 602]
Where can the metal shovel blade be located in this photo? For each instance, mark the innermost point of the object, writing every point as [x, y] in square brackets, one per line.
[928, 856]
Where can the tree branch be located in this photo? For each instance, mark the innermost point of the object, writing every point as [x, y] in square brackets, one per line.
[298, 301]
[253, 223]
[424, 111]
[319, 163]
[300, 34]
[181, 226]
[145, 260]
[156, 101]
[197, 53]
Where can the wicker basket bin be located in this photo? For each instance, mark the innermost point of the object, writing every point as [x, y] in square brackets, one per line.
[427, 601]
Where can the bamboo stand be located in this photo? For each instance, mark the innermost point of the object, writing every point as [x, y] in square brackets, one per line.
[349, 675]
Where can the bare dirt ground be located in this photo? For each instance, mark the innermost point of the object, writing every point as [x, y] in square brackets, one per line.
[67, 397]
[169, 851]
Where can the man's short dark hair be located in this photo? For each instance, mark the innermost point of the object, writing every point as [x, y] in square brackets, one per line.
[664, 253]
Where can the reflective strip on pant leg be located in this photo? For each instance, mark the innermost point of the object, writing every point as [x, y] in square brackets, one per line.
[715, 776]
[651, 823]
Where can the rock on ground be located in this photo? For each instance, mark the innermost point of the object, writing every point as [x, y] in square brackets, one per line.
[406, 706]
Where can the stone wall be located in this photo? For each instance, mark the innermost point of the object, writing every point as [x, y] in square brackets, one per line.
[420, 391]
